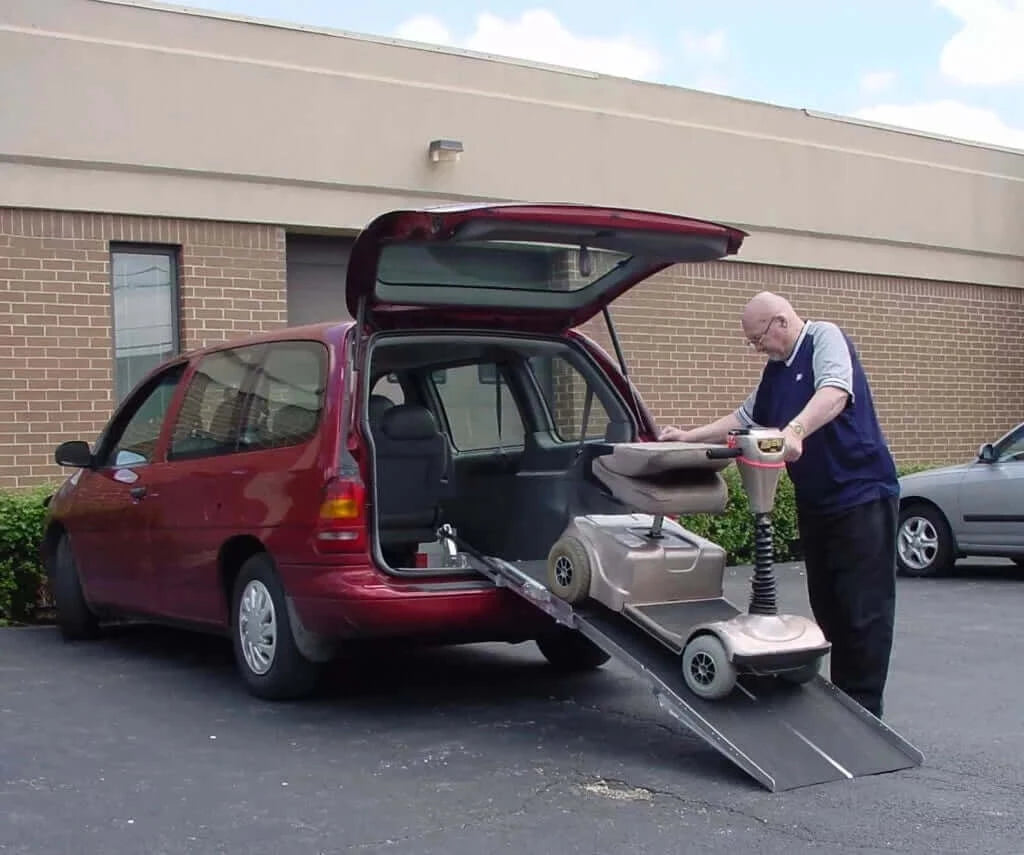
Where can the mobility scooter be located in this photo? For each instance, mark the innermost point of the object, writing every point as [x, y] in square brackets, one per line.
[668, 580]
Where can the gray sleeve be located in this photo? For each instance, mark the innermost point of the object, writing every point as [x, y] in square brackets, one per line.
[745, 412]
[832, 364]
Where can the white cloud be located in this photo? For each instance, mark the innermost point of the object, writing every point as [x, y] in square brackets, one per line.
[989, 49]
[947, 118]
[704, 46]
[704, 61]
[537, 35]
[876, 81]
[424, 28]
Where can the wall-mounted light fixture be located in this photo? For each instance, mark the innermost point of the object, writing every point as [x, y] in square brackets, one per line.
[445, 150]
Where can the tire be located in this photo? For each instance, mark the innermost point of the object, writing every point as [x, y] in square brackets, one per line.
[924, 544]
[569, 570]
[803, 674]
[567, 650]
[707, 671]
[74, 617]
[269, 661]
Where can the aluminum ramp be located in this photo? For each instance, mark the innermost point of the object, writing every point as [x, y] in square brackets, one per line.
[784, 736]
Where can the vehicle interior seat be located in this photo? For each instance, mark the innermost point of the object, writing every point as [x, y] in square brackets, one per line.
[411, 458]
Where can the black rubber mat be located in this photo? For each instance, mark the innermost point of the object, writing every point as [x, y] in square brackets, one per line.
[679, 618]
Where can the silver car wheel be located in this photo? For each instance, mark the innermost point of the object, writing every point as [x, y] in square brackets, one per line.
[918, 543]
[257, 627]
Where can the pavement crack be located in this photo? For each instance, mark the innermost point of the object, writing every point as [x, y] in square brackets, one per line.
[792, 831]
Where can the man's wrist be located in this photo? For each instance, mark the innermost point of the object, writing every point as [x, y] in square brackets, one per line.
[797, 427]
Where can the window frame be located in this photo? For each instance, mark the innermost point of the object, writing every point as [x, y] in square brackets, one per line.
[173, 253]
[113, 433]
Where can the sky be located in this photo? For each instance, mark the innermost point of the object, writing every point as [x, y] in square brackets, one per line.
[950, 67]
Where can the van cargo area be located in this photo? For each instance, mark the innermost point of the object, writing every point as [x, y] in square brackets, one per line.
[490, 434]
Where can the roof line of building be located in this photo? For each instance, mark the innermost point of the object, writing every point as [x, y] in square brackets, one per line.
[214, 14]
[899, 129]
[275, 23]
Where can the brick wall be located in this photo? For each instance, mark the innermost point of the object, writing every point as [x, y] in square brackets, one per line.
[945, 361]
[56, 354]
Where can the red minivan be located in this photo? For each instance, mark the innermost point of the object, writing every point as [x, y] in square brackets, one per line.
[287, 489]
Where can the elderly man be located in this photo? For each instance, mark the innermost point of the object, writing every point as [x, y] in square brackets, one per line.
[813, 388]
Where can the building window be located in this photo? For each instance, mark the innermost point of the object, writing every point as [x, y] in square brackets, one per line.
[145, 287]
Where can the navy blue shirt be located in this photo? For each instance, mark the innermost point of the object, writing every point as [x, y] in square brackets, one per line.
[845, 463]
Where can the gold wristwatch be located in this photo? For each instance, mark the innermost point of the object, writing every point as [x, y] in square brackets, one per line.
[797, 428]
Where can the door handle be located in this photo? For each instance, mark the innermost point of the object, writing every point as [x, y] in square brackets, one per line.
[137, 492]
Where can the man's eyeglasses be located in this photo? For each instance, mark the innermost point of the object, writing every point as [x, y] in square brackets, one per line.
[755, 343]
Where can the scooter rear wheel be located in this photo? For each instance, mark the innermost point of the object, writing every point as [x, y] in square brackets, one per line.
[569, 570]
[706, 668]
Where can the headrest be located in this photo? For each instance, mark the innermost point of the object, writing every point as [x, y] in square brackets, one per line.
[408, 421]
[378, 405]
[293, 421]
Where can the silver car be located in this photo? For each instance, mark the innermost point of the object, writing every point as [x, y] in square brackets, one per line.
[974, 508]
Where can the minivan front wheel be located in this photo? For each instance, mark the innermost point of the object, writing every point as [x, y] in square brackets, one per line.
[265, 650]
[74, 617]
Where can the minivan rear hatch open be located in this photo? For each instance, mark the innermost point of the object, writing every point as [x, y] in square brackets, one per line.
[536, 267]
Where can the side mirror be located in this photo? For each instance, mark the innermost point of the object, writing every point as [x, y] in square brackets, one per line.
[74, 453]
[987, 453]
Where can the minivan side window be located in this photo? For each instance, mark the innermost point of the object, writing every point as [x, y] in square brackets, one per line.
[134, 443]
[207, 423]
[472, 397]
[287, 397]
[564, 390]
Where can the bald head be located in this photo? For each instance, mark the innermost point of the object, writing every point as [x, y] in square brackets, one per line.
[771, 324]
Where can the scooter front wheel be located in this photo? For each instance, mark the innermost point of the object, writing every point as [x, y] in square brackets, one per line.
[706, 668]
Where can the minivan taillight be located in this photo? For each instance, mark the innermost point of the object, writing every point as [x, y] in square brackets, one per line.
[341, 523]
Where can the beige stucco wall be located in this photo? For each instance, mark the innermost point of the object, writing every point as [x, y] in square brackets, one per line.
[114, 107]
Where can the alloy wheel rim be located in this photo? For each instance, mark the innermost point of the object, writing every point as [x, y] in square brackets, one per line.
[257, 627]
[702, 668]
[918, 543]
[563, 571]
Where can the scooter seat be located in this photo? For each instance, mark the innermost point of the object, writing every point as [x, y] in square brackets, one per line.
[670, 478]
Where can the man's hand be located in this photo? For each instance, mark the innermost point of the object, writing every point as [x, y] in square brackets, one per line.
[674, 434]
[794, 445]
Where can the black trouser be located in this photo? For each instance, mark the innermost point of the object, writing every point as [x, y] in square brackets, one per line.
[851, 583]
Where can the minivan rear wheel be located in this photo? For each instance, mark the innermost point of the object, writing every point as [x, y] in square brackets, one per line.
[568, 650]
[265, 650]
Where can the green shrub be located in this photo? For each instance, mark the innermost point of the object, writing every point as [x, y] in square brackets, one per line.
[733, 530]
[22, 578]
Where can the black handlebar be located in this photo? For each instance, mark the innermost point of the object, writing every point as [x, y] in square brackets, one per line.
[723, 453]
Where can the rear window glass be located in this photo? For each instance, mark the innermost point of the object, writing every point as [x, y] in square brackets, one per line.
[287, 397]
[496, 265]
[472, 397]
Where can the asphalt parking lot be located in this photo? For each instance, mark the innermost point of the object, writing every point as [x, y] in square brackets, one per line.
[145, 742]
